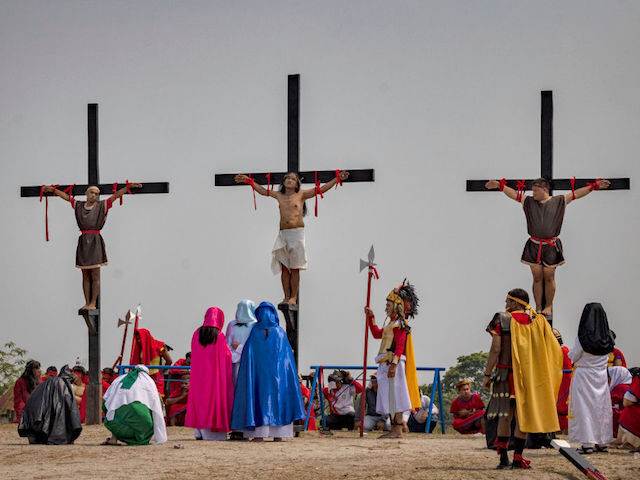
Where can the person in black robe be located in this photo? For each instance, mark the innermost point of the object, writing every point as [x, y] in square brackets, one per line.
[51, 415]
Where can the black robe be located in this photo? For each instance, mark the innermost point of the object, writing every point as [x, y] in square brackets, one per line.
[51, 415]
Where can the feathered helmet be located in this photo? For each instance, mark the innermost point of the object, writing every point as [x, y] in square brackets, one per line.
[404, 299]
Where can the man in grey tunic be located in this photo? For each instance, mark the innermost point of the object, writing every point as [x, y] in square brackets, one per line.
[543, 250]
[91, 253]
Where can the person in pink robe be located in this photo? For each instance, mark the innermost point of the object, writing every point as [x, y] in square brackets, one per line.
[211, 384]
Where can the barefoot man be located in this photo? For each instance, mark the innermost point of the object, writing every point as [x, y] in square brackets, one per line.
[289, 254]
[543, 250]
[90, 253]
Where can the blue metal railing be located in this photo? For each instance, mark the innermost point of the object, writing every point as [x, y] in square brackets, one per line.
[437, 385]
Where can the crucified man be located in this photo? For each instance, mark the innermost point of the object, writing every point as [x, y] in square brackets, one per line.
[543, 250]
[91, 253]
[289, 254]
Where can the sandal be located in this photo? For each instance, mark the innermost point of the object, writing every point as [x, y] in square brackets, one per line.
[585, 450]
[602, 448]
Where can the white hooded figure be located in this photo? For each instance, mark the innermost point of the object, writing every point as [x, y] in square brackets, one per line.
[238, 331]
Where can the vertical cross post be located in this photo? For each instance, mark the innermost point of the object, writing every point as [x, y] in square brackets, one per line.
[291, 312]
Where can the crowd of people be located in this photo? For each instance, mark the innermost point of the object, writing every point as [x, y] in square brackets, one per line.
[225, 388]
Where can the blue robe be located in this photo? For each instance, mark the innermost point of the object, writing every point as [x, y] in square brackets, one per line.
[267, 391]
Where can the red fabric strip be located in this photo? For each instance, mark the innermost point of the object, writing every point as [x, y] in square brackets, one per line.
[503, 182]
[318, 190]
[89, 231]
[573, 187]
[251, 181]
[338, 179]
[541, 241]
[521, 186]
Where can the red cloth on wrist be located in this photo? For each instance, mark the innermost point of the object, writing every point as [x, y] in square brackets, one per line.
[318, 190]
[594, 186]
[503, 182]
[251, 181]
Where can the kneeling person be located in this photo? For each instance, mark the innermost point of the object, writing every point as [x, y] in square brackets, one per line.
[133, 409]
[340, 393]
[467, 409]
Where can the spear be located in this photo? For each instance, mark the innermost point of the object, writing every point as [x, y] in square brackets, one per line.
[126, 322]
[372, 272]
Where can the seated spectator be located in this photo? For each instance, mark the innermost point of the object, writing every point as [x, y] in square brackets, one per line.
[23, 387]
[177, 402]
[616, 358]
[51, 414]
[133, 409]
[178, 392]
[340, 392]
[418, 420]
[467, 409]
[107, 377]
[619, 382]
[629, 426]
[51, 372]
[372, 419]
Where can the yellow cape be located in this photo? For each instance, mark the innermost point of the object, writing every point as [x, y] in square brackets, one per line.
[537, 374]
[412, 374]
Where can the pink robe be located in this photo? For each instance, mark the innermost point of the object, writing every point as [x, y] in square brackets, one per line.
[210, 384]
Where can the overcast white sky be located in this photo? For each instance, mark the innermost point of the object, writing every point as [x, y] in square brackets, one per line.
[429, 93]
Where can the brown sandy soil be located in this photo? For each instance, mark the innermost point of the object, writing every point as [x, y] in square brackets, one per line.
[341, 456]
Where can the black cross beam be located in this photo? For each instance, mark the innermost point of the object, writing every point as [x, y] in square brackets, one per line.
[546, 159]
[92, 317]
[290, 312]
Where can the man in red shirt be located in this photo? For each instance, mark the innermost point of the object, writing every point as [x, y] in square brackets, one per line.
[467, 409]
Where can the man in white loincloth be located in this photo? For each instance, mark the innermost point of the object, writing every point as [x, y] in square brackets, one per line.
[289, 252]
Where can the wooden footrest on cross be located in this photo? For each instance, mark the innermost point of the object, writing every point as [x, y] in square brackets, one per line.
[91, 319]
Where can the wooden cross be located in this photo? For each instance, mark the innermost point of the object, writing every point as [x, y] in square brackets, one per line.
[291, 312]
[92, 317]
[546, 159]
[546, 162]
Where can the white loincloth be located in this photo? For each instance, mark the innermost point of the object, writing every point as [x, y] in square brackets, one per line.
[403, 402]
[289, 250]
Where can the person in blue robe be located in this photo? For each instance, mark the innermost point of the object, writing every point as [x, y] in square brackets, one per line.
[267, 397]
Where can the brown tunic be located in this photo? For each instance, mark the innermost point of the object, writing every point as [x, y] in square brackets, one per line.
[544, 221]
[91, 252]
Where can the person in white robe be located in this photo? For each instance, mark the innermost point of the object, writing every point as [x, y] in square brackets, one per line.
[590, 420]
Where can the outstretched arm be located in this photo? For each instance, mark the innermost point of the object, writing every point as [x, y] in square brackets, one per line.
[508, 191]
[584, 191]
[55, 191]
[123, 190]
[256, 186]
[310, 192]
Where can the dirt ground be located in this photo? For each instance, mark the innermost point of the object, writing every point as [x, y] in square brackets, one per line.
[341, 456]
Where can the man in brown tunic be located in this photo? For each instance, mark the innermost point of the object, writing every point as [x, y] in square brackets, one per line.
[91, 253]
[543, 250]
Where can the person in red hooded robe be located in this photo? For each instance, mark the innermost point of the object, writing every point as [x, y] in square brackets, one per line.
[146, 350]
[210, 397]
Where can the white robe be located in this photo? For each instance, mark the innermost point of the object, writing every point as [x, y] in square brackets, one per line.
[590, 417]
[383, 398]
